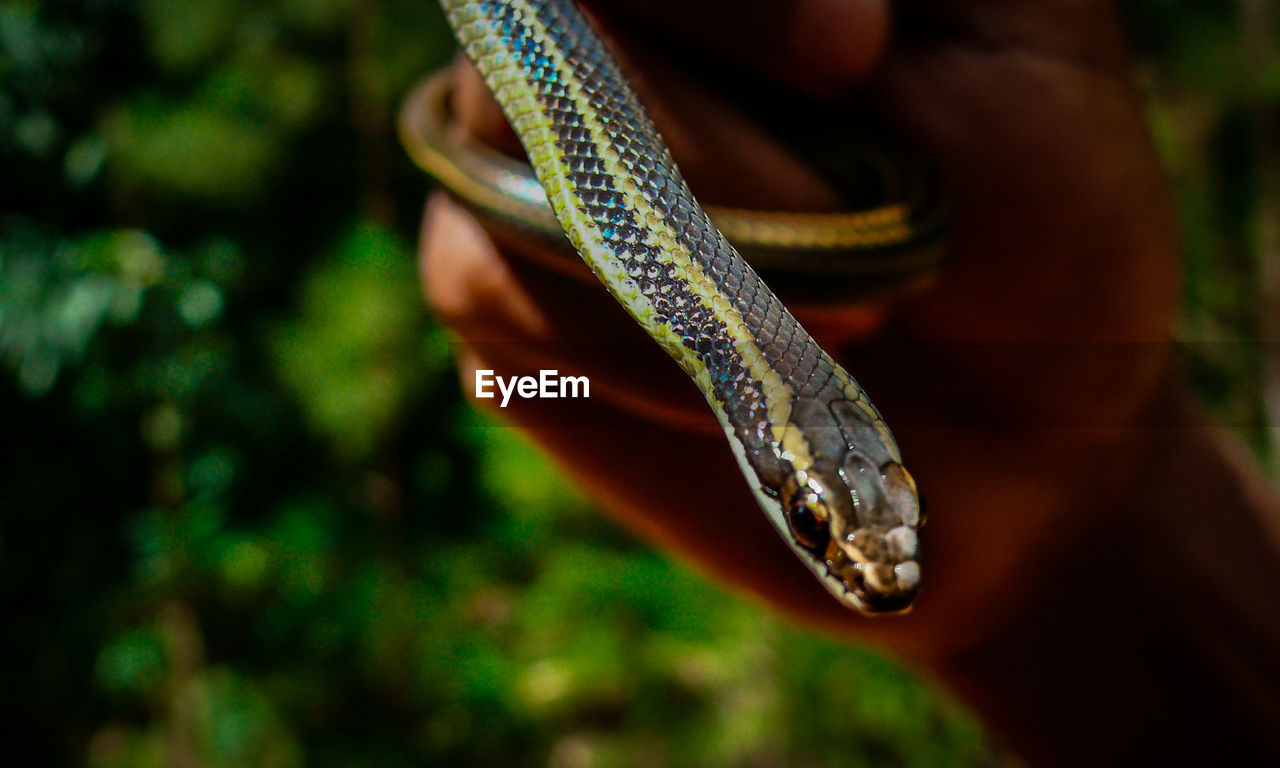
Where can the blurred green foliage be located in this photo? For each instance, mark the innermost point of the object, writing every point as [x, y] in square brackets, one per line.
[247, 518]
[1212, 75]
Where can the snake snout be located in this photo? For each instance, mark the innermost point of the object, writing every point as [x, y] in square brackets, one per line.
[878, 544]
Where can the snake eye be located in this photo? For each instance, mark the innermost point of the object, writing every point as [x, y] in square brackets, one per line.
[810, 531]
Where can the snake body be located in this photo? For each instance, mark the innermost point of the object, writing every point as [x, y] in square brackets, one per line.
[820, 459]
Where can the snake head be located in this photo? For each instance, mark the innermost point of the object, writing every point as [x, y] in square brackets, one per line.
[861, 522]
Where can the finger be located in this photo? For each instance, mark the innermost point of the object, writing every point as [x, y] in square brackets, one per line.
[1085, 32]
[528, 319]
[725, 155]
[1061, 214]
[814, 46]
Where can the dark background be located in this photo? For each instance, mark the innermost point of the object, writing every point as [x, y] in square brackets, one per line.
[247, 519]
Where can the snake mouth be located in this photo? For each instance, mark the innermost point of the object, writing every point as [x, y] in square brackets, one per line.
[883, 603]
[876, 588]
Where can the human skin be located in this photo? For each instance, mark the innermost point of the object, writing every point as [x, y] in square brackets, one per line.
[1099, 564]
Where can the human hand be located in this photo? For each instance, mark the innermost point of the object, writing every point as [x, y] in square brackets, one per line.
[1013, 384]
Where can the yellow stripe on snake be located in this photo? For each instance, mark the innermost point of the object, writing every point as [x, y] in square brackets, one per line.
[821, 461]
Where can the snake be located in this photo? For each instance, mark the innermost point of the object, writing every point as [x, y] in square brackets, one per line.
[816, 453]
